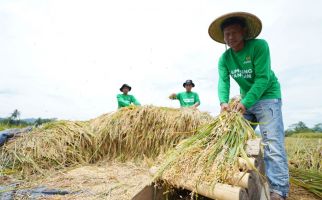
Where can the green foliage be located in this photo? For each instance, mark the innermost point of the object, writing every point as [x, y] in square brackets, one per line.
[15, 115]
[318, 128]
[305, 161]
[310, 180]
[301, 127]
[14, 121]
[298, 127]
[40, 121]
[306, 135]
[4, 126]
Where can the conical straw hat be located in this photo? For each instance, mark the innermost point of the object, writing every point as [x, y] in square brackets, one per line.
[253, 25]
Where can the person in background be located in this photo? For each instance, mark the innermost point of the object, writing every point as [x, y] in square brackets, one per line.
[126, 99]
[187, 98]
[248, 62]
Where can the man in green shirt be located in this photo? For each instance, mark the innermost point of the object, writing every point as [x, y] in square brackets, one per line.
[125, 99]
[187, 98]
[247, 61]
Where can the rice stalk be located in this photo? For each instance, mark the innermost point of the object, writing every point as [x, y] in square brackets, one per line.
[145, 131]
[53, 146]
[211, 155]
[308, 179]
[127, 134]
[305, 153]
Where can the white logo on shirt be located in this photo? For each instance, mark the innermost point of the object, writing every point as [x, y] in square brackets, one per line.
[244, 73]
[189, 100]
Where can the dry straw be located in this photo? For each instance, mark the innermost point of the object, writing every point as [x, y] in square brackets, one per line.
[137, 132]
[53, 146]
[127, 134]
[210, 156]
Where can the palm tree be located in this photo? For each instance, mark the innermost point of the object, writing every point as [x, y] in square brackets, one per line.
[15, 114]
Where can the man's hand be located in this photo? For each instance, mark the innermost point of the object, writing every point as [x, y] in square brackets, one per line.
[195, 105]
[241, 108]
[224, 107]
[173, 96]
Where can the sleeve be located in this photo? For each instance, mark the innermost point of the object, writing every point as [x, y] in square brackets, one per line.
[121, 101]
[262, 66]
[135, 101]
[197, 98]
[178, 96]
[224, 81]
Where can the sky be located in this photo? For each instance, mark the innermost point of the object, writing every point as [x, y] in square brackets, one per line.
[68, 58]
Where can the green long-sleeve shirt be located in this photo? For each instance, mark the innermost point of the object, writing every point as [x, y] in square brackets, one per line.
[126, 100]
[251, 69]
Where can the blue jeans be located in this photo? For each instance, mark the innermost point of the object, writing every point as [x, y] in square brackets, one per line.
[268, 113]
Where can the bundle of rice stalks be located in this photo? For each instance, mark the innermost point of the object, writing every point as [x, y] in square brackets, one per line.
[310, 180]
[53, 146]
[211, 156]
[136, 132]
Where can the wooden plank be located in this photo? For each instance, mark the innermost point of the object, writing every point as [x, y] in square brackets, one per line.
[253, 147]
[254, 187]
[150, 192]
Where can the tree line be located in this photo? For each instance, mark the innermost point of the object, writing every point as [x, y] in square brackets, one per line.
[301, 127]
[14, 120]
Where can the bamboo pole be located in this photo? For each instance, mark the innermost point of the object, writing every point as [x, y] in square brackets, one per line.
[219, 191]
[247, 164]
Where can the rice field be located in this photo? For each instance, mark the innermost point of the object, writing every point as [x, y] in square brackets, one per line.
[305, 153]
[74, 155]
[305, 163]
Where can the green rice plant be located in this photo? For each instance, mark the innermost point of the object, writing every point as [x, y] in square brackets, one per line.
[211, 155]
[305, 163]
[308, 179]
[306, 135]
[4, 126]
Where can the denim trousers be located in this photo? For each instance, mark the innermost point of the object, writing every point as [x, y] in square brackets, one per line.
[267, 114]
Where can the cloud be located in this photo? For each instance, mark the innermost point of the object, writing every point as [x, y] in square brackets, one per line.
[67, 59]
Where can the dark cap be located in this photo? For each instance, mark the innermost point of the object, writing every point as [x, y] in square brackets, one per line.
[125, 85]
[188, 82]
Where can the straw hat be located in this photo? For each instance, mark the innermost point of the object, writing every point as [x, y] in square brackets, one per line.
[253, 25]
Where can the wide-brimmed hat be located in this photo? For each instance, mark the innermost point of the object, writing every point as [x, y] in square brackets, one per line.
[188, 82]
[253, 25]
[125, 85]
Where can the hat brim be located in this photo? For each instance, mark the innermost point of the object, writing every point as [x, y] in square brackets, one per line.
[193, 85]
[121, 89]
[253, 25]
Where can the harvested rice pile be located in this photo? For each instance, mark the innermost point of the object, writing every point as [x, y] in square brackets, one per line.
[127, 134]
[55, 145]
[210, 156]
[137, 132]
